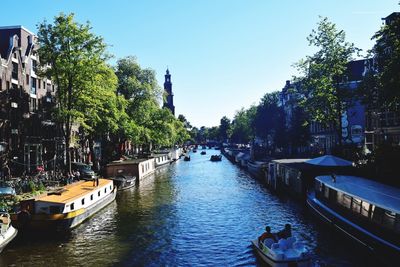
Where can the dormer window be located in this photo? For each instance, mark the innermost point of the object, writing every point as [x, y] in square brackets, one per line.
[14, 73]
[34, 65]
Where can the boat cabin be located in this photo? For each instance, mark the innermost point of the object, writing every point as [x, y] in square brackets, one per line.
[139, 168]
[366, 203]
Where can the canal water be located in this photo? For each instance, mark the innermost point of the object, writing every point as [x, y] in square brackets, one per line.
[195, 213]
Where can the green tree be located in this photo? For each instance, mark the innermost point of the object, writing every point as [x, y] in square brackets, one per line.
[139, 87]
[324, 97]
[386, 53]
[74, 55]
[242, 130]
[225, 129]
[269, 119]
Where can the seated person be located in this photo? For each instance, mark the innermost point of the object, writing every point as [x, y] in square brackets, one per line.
[286, 232]
[265, 235]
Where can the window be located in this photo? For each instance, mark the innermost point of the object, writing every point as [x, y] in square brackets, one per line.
[14, 73]
[98, 193]
[326, 192]
[72, 206]
[39, 83]
[34, 65]
[33, 86]
[356, 205]
[27, 79]
[33, 105]
[110, 187]
[346, 201]
[105, 190]
[83, 201]
[365, 209]
[91, 197]
[376, 214]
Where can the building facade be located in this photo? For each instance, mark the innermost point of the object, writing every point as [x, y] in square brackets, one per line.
[28, 136]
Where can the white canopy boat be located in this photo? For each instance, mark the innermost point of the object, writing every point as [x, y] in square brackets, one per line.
[287, 252]
[7, 232]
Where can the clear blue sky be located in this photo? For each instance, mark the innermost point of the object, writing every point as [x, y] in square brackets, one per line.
[222, 54]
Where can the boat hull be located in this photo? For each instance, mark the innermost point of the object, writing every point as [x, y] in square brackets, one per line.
[279, 263]
[7, 237]
[382, 248]
[65, 222]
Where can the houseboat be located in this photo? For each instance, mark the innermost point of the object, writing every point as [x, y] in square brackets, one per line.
[292, 176]
[7, 231]
[66, 208]
[364, 210]
[161, 159]
[257, 168]
[123, 182]
[140, 168]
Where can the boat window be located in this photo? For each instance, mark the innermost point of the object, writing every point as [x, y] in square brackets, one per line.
[142, 168]
[365, 209]
[105, 190]
[326, 192]
[110, 187]
[377, 214]
[318, 186]
[346, 201]
[356, 205]
[83, 201]
[91, 197]
[98, 193]
[72, 207]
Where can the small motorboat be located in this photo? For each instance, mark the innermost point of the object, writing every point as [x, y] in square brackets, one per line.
[203, 153]
[194, 150]
[216, 158]
[7, 232]
[186, 158]
[287, 252]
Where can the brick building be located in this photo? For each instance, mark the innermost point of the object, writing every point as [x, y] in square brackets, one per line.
[28, 136]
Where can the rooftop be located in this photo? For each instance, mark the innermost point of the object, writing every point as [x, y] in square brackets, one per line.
[74, 191]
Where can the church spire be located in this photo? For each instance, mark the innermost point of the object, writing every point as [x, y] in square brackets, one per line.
[169, 99]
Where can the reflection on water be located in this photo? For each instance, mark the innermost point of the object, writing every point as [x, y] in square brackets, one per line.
[196, 213]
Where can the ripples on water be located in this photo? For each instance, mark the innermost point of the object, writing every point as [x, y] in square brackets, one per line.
[196, 213]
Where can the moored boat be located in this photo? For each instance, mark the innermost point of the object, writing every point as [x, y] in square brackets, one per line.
[216, 158]
[364, 210]
[287, 252]
[257, 168]
[7, 231]
[203, 153]
[65, 208]
[187, 158]
[123, 182]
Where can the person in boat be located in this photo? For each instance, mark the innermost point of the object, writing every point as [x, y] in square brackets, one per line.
[265, 235]
[285, 232]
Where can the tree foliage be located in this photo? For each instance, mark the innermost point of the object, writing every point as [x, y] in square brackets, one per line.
[386, 53]
[322, 73]
[73, 58]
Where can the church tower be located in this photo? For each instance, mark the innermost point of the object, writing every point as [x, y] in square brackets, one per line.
[169, 100]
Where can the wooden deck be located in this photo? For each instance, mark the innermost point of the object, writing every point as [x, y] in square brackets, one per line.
[73, 191]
